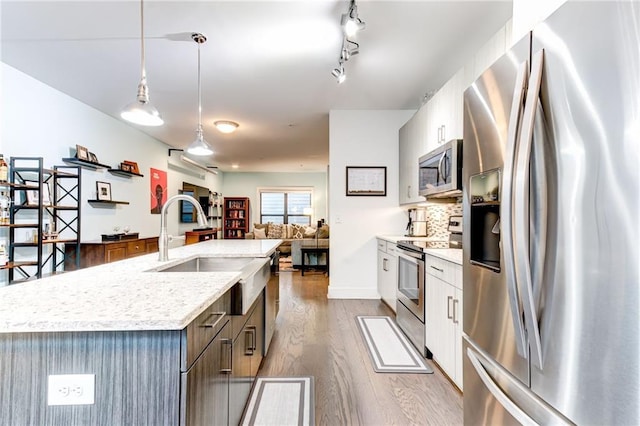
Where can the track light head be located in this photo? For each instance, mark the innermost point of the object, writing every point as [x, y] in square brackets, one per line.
[351, 22]
[339, 73]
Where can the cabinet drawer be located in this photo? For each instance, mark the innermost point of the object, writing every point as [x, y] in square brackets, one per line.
[203, 329]
[135, 248]
[438, 268]
[449, 272]
[382, 245]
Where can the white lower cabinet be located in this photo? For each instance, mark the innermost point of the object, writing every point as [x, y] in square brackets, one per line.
[387, 272]
[443, 315]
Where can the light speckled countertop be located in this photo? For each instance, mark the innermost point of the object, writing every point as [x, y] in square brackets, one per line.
[450, 254]
[124, 295]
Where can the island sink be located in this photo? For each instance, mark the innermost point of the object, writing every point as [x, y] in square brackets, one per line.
[210, 264]
[255, 273]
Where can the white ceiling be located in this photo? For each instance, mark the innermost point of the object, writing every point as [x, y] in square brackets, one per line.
[266, 64]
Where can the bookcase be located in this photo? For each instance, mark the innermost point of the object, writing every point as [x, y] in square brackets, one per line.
[236, 217]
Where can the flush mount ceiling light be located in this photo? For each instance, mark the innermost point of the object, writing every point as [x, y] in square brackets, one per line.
[199, 146]
[226, 126]
[141, 111]
[351, 22]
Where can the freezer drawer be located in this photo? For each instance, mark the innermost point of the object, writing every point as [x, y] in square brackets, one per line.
[495, 397]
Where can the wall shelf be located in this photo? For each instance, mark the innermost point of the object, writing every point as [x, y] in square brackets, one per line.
[106, 202]
[85, 164]
[123, 173]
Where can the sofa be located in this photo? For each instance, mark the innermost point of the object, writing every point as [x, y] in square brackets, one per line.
[292, 236]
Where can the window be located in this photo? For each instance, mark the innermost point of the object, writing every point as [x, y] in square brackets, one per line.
[279, 206]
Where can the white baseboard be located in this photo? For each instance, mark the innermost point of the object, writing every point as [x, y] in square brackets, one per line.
[352, 293]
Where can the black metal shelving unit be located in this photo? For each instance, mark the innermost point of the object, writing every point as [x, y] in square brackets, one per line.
[30, 184]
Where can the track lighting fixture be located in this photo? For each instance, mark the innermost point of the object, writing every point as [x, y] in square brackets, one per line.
[199, 146]
[351, 22]
[141, 111]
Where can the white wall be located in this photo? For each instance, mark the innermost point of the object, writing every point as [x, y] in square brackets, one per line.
[361, 138]
[247, 184]
[527, 13]
[40, 121]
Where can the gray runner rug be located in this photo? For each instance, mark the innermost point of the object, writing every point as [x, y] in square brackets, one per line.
[282, 401]
[389, 349]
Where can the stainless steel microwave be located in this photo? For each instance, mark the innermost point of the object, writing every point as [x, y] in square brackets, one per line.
[440, 171]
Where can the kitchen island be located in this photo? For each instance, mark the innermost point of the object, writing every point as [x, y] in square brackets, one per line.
[126, 327]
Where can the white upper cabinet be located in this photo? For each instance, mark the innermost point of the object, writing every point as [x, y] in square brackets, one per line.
[410, 146]
[445, 112]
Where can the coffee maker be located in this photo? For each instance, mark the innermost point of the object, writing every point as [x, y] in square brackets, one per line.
[417, 225]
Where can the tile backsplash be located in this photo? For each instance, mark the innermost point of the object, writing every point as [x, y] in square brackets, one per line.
[438, 218]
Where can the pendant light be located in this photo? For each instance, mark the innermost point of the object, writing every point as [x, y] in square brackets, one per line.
[199, 146]
[141, 111]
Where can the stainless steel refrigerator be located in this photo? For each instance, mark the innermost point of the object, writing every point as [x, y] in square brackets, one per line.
[550, 199]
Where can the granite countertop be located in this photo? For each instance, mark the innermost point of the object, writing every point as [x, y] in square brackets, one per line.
[125, 295]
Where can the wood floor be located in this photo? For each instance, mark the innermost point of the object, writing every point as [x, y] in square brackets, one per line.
[319, 337]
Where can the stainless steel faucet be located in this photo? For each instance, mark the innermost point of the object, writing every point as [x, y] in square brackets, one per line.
[163, 241]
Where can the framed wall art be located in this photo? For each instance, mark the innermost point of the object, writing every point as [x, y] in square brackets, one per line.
[366, 181]
[103, 191]
[82, 153]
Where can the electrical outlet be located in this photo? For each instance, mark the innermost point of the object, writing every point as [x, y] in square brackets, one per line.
[71, 389]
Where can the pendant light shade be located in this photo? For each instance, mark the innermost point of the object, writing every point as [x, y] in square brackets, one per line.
[141, 111]
[199, 146]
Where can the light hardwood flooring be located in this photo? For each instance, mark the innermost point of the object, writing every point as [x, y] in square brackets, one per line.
[319, 337]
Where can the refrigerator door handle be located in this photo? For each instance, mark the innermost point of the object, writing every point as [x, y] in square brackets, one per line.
[521, 217]
[507, 207]
[497, 393]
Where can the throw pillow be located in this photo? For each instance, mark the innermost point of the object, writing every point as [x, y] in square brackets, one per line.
[287, 231]
[275, 230]
[323, 232]
[259, 234]
[309, 232]
[264, 226]
[298, 231]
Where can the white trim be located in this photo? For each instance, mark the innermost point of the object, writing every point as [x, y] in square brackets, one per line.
[352, 293]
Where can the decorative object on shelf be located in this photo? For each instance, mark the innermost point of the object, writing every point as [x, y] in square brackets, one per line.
[157, 189]
[125, 167]
[5, 203]
[93, 157]
[200, 145]
[367, 181]
[4, 170]
[33, 195]
[133, 166]
[82, 153]
[141, 111]
[103, 191]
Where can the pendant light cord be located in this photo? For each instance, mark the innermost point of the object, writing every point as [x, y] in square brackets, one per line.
[199, 91]
[142, 56]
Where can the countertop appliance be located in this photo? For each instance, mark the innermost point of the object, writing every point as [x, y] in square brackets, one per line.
[550, 206]
[440, 171]
[417, 225]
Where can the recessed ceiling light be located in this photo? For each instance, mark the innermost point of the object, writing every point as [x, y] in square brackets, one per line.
[226, 126]
[234, 166]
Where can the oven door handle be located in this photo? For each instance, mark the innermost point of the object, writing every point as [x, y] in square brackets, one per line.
[409, 255]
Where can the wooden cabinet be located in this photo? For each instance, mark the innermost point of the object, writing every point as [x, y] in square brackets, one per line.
[443, 315]
[99, 252]
[193, 237]
[387, 273]
[248, 344]
[236, 217]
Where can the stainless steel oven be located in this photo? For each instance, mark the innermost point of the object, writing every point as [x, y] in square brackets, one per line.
[410, 309]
